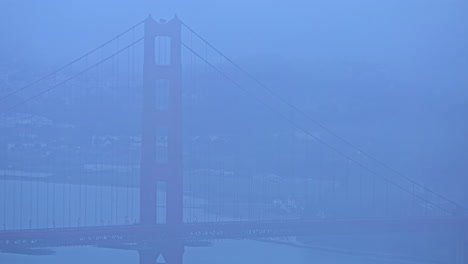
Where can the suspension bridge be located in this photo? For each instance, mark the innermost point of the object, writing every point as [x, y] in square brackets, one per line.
[156, 140]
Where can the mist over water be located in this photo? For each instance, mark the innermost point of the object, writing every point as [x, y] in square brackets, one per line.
[239, 131]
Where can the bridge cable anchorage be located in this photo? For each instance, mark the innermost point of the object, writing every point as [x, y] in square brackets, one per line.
[72, 77]
[307, 116]
[294, 124]
[3, 98]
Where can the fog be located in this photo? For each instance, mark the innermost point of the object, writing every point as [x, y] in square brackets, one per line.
[288, 132]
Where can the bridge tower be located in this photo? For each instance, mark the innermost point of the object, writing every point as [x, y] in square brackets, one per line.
[161, 157]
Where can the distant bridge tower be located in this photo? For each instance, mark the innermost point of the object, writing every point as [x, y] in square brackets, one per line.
[161, 159]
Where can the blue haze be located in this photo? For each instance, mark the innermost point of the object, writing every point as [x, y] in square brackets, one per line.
[388, 76]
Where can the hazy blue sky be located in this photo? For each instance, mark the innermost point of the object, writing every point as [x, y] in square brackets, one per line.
[413, 50]
[432, 33]
[390, 76]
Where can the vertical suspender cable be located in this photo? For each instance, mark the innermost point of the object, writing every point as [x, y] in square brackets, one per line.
[115, 172]
[134, 90]
[88, 99]
[111, 178]
[98, 147]
[127, 141]
[23, 173]
[4, 180]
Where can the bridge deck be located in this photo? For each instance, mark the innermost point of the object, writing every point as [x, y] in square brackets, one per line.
[136, 234]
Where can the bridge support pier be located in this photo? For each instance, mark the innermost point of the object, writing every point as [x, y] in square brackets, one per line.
[174, 255]
[147, 256]
[170, 255]
[462, 249]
